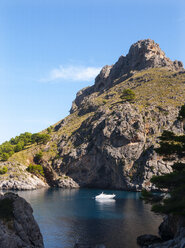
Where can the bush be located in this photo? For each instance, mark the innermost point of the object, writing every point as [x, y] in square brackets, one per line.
[4, 156]
[128, 95]
[38, 157]
[19, 147]
[3, 170]
[35, 169]
[17, 144]
[49, 129]
[181, 115]
[40, 138]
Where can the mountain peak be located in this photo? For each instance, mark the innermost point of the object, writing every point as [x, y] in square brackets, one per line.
[143, 54]
[147, 54]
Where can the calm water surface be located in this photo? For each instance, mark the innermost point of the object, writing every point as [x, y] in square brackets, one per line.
[65, 216]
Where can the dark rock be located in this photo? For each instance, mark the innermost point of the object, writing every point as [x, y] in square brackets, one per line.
[80, 245]
[170, 226]
[18, 227]
[172, 229]
[148, 239]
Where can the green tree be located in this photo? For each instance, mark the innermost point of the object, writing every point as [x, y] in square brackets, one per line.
[172, 147]
[19, 147]
[35, 169]
[49, 129]
[40, 138]
[3, 170]
[5, 156]
[38, 157]
[128, 95]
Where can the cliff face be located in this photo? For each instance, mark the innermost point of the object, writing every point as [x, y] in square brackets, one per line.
[108, 141]
[142, 55]
[17, 225]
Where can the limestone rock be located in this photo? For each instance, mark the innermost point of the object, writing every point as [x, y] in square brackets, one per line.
[66, 182]
[115, 149]
[108, 141]
[142, 55]
[17, 178]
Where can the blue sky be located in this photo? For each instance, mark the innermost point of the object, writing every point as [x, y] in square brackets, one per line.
[50, 49]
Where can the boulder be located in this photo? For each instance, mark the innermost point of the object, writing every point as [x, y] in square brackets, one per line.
[148, 239]
[18, 227]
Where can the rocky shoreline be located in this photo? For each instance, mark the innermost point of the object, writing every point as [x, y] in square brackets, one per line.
[17, 178]
[171, 234]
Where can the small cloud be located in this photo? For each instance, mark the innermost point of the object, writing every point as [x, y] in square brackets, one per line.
[72, 73]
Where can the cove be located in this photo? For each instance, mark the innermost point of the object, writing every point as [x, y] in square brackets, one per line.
[66, 216]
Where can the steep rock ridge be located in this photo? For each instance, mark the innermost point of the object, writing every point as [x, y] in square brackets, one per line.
[18, 227]
[142, 55]
[109, 142]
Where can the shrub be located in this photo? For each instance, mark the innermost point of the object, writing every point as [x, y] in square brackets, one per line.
[40, 138]
[128, 95]
[181, 115]
[35, 169]
[38, 157]
[19, 147]
[3, 170]
[49, 129]
[8, 148]
[4, 156]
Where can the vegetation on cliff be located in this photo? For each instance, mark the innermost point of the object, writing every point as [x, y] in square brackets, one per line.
[21, 142]
[108, 140]
[172, 147]
[36, 169]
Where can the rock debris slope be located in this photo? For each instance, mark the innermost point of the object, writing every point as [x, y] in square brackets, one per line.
[108, 141]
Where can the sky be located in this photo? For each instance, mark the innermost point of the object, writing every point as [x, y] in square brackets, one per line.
[50, 49]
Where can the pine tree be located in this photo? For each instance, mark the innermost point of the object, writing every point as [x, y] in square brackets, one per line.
[172, 147]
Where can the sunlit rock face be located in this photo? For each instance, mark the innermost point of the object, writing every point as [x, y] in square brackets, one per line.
[142, 55]
[108, 141]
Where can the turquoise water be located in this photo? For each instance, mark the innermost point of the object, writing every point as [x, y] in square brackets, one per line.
[65, 216]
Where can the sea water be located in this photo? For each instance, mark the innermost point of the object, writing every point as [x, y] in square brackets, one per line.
[68, 216]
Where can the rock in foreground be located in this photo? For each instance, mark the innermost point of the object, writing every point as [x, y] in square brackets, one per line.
[18, 227]
[148, 239]
[172, 232]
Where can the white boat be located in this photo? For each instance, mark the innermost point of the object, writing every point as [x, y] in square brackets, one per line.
[105, 196]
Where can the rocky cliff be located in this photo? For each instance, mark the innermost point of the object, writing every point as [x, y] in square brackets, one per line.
[171, 231]
[108, 141]
[17, 225]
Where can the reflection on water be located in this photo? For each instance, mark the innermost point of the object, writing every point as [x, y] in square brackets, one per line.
[65, 216]
[105, 201]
